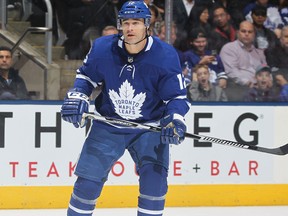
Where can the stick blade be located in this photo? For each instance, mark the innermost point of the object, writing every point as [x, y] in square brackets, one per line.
[284, 149]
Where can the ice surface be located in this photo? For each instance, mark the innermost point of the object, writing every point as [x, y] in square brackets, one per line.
[169, 211]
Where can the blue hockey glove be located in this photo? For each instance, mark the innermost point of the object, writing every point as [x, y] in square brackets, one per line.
[173, 129]
[75, 104]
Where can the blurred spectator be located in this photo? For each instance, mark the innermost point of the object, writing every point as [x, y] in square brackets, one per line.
[162, 36]
[281, 78]
[235, 9]
[108, 14]
[38, 16]
[199, 54]
[264, 36]
[15, 10]
[148, 2]
[78, 18]
[12, 3]
[262, 91]
[223, 3]
[160, 5]
[283, 10]
[88, 38]
[202, 89]
[162, 32]
[199, 18]
[240, 59]
[181, 13]
[12, 86]
[154, 21]
[109, 30]
[277, 57]
[224, 31]
[73, 18]
[273, 21]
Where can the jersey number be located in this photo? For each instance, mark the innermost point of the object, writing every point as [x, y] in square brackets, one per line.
[182, 84]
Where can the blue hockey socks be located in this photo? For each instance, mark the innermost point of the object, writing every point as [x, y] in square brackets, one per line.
[153, 188]
[84, 197]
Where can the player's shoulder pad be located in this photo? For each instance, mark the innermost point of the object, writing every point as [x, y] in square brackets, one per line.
[163, 46]
[164, 53]
[102, 45]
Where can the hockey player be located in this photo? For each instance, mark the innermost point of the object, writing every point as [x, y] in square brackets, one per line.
[141, 81]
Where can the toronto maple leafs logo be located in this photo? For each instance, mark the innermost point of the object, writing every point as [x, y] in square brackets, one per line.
[125, 103]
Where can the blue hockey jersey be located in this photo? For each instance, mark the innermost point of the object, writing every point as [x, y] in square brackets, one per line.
[141, 87]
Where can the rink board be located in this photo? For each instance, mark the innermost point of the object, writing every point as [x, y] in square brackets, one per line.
[38, 154]
[126, 196]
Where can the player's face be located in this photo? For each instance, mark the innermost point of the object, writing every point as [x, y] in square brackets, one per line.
[134, 30]
[5, 60]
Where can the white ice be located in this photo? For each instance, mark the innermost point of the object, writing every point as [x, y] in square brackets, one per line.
[169, 211]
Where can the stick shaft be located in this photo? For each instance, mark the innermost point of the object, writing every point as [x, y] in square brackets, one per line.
[283, 150]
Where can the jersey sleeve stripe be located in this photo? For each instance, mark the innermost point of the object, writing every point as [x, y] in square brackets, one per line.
[81, 76]
[178, 97]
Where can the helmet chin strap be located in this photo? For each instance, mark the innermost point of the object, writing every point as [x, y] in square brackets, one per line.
[146, 36]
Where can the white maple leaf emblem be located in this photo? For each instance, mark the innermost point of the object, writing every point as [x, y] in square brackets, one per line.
[125, 103]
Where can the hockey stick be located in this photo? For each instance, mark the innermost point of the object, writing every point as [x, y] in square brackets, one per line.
[282, 150]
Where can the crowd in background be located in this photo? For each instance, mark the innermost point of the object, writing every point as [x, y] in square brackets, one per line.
[229, 50]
